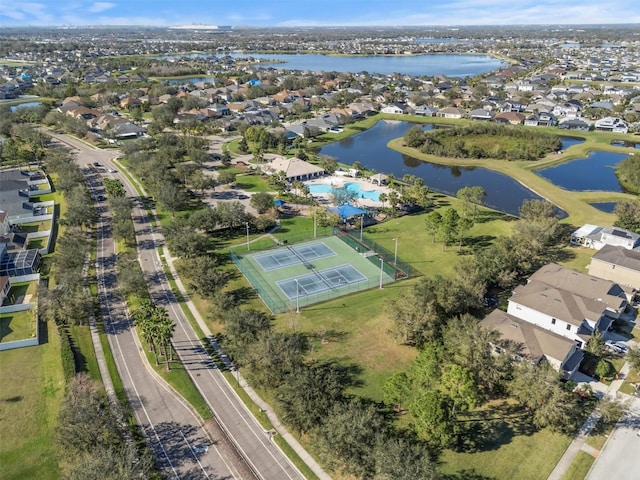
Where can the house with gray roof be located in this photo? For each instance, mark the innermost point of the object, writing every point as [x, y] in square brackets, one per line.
[617, 264]
[594, 236]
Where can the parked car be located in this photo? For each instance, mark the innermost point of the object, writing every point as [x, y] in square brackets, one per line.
[619, 348]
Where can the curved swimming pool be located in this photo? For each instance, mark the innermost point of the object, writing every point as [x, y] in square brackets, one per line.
[325, 188]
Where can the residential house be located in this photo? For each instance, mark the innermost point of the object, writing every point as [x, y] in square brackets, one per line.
[450, 112]
[513, 118]
[535, 342]
[612, 124]
[574, 124]
[617, 264]
[568, 303]
[425, 111]
[542, 119]
[480, 114]
[394, 108]
[594, 236]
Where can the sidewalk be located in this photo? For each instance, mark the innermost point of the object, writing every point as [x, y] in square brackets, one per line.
[578, 443]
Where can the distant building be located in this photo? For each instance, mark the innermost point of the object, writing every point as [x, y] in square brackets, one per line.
[594, 236]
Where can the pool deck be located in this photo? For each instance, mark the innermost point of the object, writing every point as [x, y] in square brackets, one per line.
[339, 182]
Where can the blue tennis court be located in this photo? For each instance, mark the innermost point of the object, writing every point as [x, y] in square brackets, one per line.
[287, 256]
[320, 281]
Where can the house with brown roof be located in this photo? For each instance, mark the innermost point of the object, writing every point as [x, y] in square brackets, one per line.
[514, 118]
[617, 264]
[535, 342]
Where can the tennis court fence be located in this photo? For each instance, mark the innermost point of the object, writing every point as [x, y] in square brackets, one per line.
[278, 305]
[393, 266]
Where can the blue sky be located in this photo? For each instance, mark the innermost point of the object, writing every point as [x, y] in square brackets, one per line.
[314, 13]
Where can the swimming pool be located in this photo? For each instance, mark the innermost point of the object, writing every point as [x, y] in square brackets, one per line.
[368, 194]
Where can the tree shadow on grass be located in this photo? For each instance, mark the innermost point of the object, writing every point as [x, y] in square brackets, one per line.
[466, 475]
[484, 216]
[489, 429]
[243, 294]
[480, 241]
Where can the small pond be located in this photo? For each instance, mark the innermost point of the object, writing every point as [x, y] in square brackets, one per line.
[595, 172]
[607, 207]
[13, 108]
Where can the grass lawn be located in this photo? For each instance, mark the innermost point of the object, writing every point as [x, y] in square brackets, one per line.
[30, 398]
[415, 245]
[355, 331]
[17, 326]
[84, 352]
[523, 456]
[580, 467]
[253, 183]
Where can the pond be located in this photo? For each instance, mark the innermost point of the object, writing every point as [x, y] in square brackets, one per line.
[369, 148]
[595, 172]
[607, 207]
[451, 65]
[13, 108]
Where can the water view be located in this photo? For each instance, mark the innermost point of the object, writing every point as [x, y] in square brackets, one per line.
[607, 207]
[369, 148]
[13, 108]
[428, 64]
[595, 172]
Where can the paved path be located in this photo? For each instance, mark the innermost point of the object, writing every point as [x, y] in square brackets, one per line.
[578, 443]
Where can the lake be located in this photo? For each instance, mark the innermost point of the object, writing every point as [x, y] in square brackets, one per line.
[370, 149]
[595, 172]
[429, 64]
[13, 108]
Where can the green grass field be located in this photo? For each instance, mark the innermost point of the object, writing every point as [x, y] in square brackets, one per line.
[32, 388]
[580, 467]
[17, 326]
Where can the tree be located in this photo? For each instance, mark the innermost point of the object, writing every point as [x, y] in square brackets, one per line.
[431, 411]
[226, 177]
[308, 395]
[449, 225]
[396, 390]
[171, 196]
[459, 384]
[432, 221]
[628, 215]
[414, 137]
[262, 201]
[86, 420]
[204, 274]
[348, 438]
[400, 459]
[80, 210]
[633, 357]
[596, 345]
[342, 196]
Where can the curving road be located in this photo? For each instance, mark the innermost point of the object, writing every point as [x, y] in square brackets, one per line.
[174, 436]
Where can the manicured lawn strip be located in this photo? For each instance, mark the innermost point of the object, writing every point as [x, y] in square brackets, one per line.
[115, 376]
[580, 467]
[293, 456]
[86, 360]
[31, 394]
[525, 457]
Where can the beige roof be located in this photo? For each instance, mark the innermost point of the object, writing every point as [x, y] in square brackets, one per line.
[620, 256]
[294, 167]
[587, 286]
[557, 303]
[536, 341]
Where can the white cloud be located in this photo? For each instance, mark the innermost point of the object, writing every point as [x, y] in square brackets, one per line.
[98, 7]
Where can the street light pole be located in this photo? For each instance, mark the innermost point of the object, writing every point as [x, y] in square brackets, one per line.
[297, 296]
[381, 270]
[395, 252]
[247, 224]
[315, 224]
